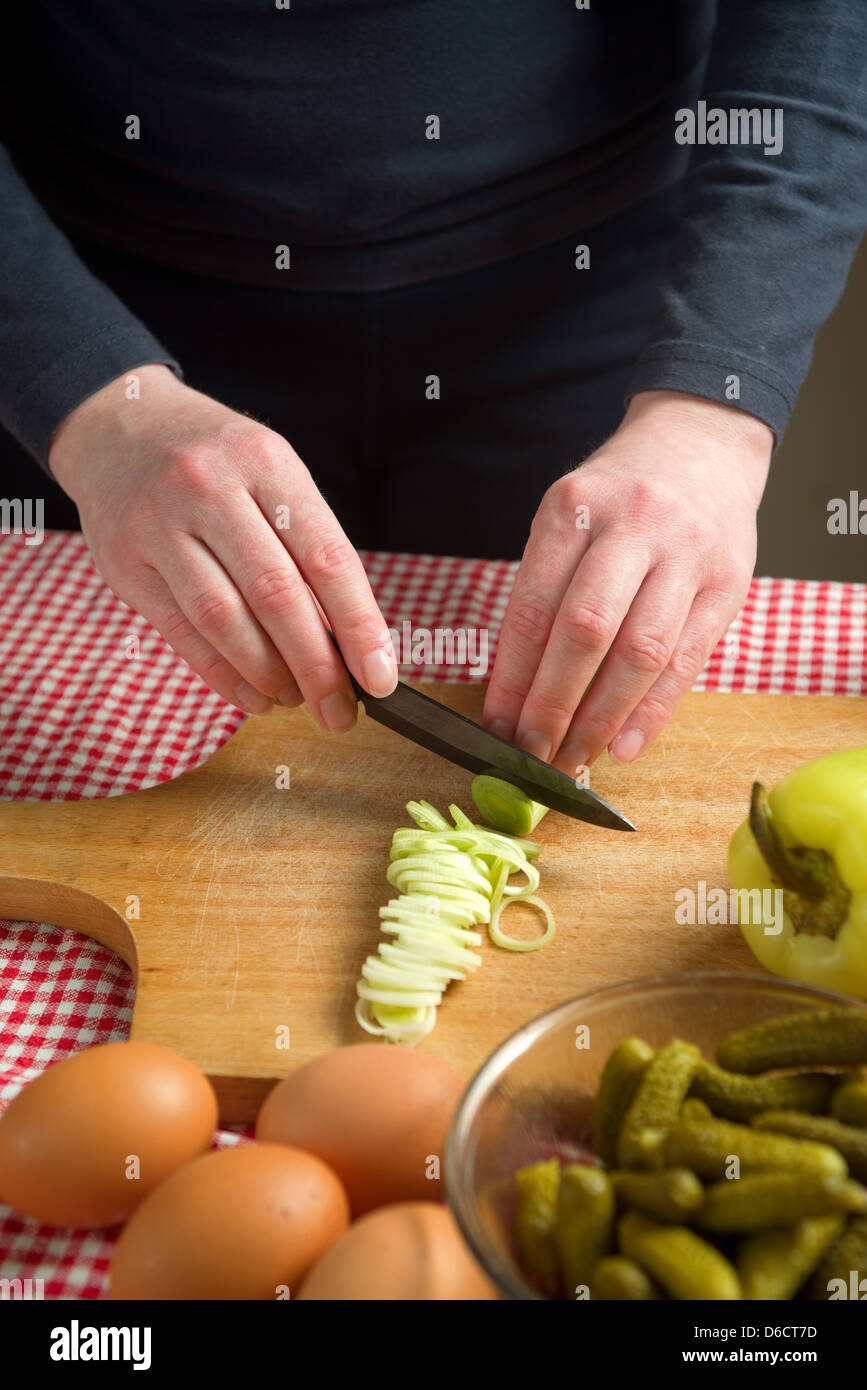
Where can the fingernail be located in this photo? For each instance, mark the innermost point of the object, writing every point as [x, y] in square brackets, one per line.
[503, 728]
[379, 670]
[338, 712]
[252, 700]
[537, 744]
[624, 748]
[290, 698]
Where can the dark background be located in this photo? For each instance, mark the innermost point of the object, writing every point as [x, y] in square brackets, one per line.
[824, 453]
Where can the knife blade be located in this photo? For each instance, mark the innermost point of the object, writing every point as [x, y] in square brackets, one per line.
[452, 736]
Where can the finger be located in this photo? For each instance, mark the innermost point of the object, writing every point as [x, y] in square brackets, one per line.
[279, 607]
[151, 596]
[332, 567]
[210, 599]
[711, 614]
[541, 584]
[639, 654]
[591, 614]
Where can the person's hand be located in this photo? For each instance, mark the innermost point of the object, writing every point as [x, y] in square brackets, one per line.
[211, 527]
[642, 556]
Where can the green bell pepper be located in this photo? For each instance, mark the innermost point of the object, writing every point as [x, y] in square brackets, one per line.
[808, 839]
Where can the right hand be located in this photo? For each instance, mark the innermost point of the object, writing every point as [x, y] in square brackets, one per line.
[178, 497]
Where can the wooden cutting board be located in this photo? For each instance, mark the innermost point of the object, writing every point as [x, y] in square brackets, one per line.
[257, 905]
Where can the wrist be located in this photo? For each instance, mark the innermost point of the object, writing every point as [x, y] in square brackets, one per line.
[107, 408]
[692, 426]
[724, 422]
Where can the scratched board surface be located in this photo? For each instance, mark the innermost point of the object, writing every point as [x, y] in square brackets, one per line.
[257, 904]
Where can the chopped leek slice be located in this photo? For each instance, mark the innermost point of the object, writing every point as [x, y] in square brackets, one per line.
[512, 943]
[505, 806]
[449, 880]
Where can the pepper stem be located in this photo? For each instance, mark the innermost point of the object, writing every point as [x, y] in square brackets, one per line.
[814, 896]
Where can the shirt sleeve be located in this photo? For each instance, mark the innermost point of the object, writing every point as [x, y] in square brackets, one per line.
[63, 334]
[765, 238]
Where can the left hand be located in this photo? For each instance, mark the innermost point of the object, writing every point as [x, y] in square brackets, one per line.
[645, 580]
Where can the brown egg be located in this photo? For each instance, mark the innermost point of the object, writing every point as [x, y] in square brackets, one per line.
[85, 1142]
[237, 1223]
[377, 1114]
[410, 1251]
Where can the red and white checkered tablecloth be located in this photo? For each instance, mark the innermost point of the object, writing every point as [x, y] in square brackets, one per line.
[94, 703]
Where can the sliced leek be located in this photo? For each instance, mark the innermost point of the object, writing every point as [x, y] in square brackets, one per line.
[505, 806]
[450, 879]
[512, 943]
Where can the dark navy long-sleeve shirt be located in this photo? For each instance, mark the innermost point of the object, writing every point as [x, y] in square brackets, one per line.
[359, 145]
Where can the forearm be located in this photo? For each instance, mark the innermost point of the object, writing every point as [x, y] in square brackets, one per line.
[63, 334]
[766, 239]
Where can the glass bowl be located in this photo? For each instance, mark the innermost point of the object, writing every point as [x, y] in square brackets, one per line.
[533, 1097]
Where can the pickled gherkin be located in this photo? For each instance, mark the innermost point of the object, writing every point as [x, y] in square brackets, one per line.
[774, 1264]
[842, 1272]
[655, 1107]
[684, 1264]
[848, 1140]
[695, 1109]
[709, 1146]
[619, 1081]
[536, 1189]
[620, 1279]
[826, 1038]
[671, 1194]
[849, 1102]
[584, 1226]
[746, 1179]
[763, 1200]
[737, 1097]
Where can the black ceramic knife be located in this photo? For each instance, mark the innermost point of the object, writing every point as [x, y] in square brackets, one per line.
[436, 727]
